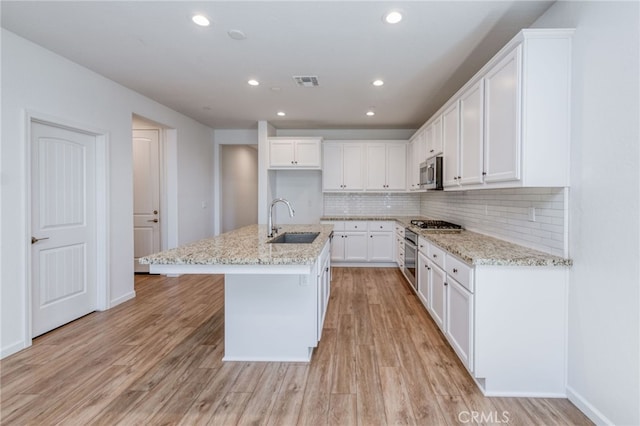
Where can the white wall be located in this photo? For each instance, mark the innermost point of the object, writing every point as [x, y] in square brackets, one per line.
[303, 189]
[239, 186]
[37, 80]
[604, 323]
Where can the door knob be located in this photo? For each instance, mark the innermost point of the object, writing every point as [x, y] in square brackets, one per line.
[35, 240]
[155, 212]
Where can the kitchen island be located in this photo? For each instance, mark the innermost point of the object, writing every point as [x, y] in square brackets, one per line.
[275, 294]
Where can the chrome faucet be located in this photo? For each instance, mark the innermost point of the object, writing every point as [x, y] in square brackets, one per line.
[272, 228]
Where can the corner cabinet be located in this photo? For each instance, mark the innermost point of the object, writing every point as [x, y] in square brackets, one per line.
[295, 153]
[513, 116]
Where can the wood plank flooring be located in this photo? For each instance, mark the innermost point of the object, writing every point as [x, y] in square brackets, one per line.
[157, 360]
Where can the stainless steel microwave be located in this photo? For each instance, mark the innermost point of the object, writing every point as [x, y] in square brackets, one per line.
[431, 173]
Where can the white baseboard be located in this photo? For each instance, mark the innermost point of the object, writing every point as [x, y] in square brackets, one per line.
[587, 408]
[12, 349]
[122, 299]
[340, 264]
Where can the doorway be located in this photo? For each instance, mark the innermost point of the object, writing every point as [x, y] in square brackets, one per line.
[147, 190]
[238, 186]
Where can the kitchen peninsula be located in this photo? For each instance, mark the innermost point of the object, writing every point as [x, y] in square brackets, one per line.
[275, 294]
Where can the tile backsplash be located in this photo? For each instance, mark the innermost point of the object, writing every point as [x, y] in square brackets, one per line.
[362, 204]
[507, 214]
[502, 213]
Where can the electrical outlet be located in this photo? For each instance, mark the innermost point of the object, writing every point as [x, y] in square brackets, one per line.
[532, 214]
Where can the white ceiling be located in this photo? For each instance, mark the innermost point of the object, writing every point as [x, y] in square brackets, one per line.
[155, 49]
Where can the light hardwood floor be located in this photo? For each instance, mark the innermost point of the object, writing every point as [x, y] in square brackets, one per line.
[157, 360]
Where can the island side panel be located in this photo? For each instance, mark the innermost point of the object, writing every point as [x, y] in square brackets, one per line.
[270, 317]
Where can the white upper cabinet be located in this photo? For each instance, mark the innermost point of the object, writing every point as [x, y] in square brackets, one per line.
[513, 117]
[451, 144]
[288, 153]
[502, 140]
[416, 154]
[386, 164]
[471, 135]
[434, 137]
[343, 166]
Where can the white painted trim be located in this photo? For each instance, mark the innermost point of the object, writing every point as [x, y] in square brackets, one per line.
[13, 348]
[339, 264]
[123, 298]
[171, 187]
[587, 408]
[102, 216]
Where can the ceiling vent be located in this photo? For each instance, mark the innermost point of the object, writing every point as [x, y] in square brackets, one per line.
[306, 80]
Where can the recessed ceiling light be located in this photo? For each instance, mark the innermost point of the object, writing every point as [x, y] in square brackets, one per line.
[370, 113]
[281, 114]
[253, 82]
[377, 83]
[393, 17]
[201, 20]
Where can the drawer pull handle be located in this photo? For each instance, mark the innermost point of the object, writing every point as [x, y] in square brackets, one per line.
[455, 271]
[435, 256]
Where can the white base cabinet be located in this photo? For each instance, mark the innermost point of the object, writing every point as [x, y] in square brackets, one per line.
[507, 324]
[363, 242]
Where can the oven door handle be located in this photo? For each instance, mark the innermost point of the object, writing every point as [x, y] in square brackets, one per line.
[410, 243]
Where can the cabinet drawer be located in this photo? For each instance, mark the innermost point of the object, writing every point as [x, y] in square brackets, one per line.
[355, 225]
[422, 246]
[381, 226]
[460, 271]
[399, 230]
[337, 225]
[436, 255]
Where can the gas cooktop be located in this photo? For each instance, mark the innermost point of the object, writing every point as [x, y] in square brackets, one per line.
[439, 225]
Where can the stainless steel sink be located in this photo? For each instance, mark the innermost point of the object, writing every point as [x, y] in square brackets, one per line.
[295, 238]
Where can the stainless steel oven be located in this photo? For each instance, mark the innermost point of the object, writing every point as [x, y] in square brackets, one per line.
[410, 256]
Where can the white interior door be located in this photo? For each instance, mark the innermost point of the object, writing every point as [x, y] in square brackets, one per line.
[63, 224]
[146, 195]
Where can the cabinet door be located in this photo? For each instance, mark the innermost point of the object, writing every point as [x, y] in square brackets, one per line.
[436, 138]
[380, 247]
[307, 153]
[502, 119]
[424, 278]
[459, 324]
[471, 135]
[281, 153]
[337, 246]
[376, 167]
[332, 167]
[450, 144]
[438, 303]
[396, 167]
[353, 169]
[355, 246]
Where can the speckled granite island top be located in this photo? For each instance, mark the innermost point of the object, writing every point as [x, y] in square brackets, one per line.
[471, 247]
[245, 246]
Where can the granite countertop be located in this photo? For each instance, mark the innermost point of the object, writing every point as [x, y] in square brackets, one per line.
[245, 246]
[472, 247]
